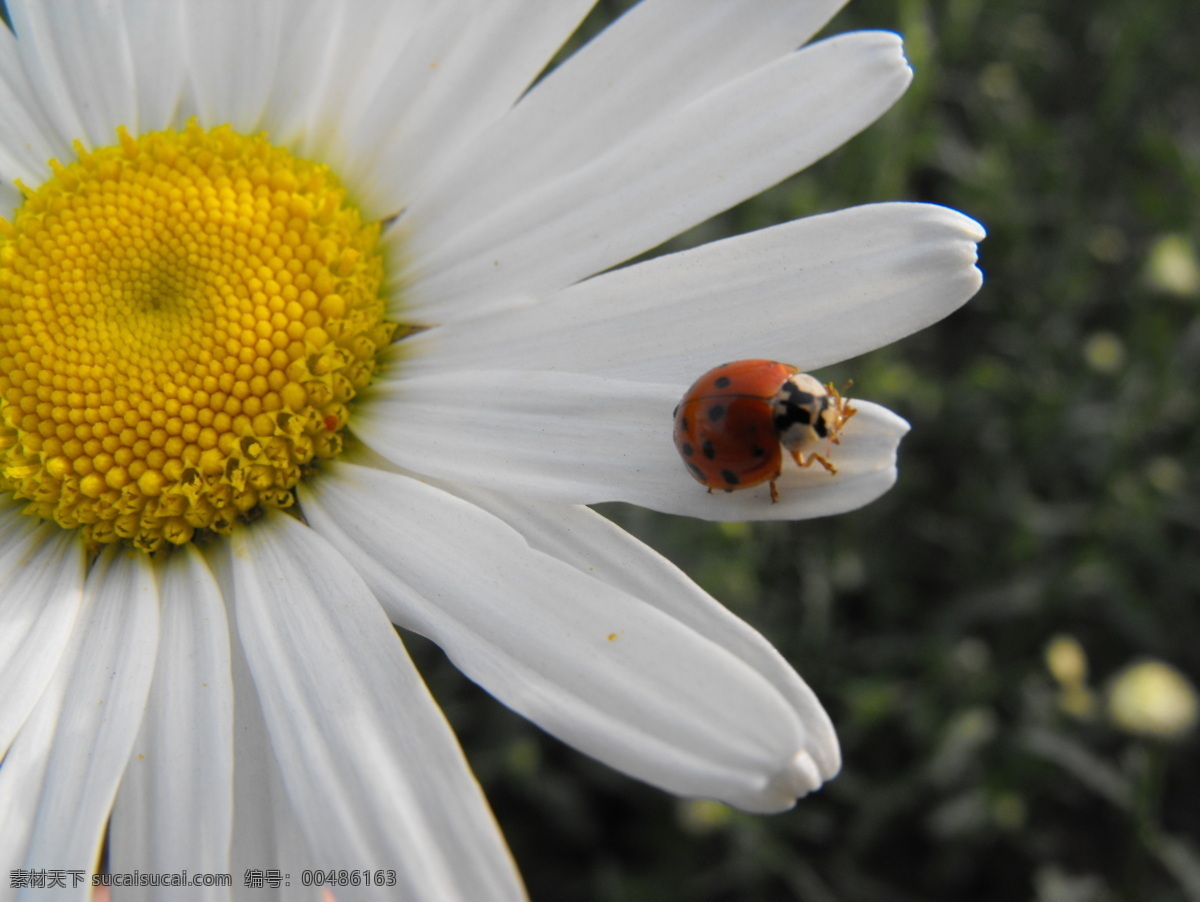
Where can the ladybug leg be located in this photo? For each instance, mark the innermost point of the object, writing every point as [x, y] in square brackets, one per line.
[826, 463]
[818, 458]
[774, 492]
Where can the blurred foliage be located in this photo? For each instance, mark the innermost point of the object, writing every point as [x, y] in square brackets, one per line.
[1047, 495]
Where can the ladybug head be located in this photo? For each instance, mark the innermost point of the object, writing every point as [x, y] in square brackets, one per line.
[807, 413]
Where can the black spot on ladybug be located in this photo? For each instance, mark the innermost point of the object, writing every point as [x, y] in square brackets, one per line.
[686, 449]
[730, 477]
[675, 412]
[683, 424]
[716, 412]
[696, 471]
[708, 450]
[758, 452]
[723, 382]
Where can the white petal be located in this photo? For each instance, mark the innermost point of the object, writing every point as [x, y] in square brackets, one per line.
[41, 587]
[371, 767]
[78, 59]
[157, 49]
[677, 171]
[334, 56]
[27, 138]
[10, 199]
[61, 773]
[266, 833]
[597, 547]
[175, 807]
[466, 66]
[590, 663]
[302, 67]
[22, 775]
[232, 55]
[649, 63]
[334, 59]
[810, 292]
[583, 439]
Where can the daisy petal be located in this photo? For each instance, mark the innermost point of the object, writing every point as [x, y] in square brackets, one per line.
[78, 59]
[266, 834]
[597, 547]
[157, 50]
[76, 743]
[333, 60]
[183, 757]
[594, 665]
[656, 58]
[331, 53]
[41, 587]
[583, 439]
[232, 54]
[10, 198]
[823, 289]
[21, 778]
[27, 138]
[370, 765]
[677, 171]
[467, 65]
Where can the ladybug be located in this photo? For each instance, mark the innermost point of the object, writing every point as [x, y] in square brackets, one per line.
[734, 423]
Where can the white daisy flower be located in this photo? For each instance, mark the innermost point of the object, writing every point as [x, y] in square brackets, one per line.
[222, 223]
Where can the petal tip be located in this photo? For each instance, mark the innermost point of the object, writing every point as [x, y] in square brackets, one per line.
[974, 228]
[801, 775]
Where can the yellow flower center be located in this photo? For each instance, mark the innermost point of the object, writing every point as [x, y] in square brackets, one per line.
[183, 319]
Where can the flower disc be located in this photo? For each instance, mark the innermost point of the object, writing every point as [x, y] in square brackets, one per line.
[184, 318]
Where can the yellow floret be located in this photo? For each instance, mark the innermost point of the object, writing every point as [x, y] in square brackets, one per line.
[184, 317]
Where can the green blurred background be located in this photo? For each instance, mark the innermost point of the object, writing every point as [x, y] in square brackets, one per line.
[1045, 518]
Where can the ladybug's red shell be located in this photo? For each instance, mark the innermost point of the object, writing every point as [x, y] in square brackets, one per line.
[725, 427]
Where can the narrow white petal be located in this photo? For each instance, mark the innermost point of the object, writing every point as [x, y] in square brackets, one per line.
[27, 138]
[232, 55]
[370, 765]
[582, 439]
[266, 833]
[174, 811]
[335, 58]
[678, 171]
[467, 67]
[24, 762]
[41, 587]
[79, 63]
[158, 54]
[76, 743]
[810, 292]
[649, 63]
[597, 547]
[385, 93]
[23, 772]
[10, 199]
[596, 666]
[307, 65]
